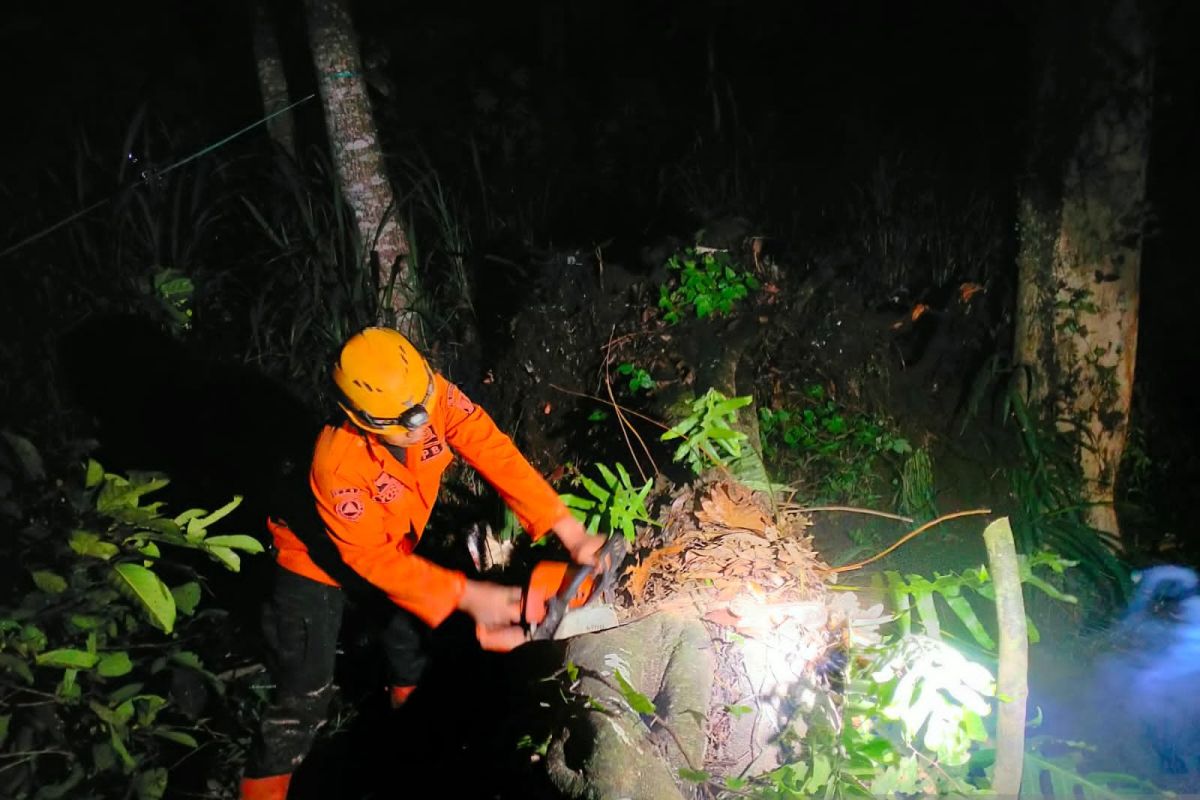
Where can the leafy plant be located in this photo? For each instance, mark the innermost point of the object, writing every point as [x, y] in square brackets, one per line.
[918, 592]
[91, 631]
[707, 433]
[839, 449]
[911, 722]
[638, 377]
[913, 712]
[1062, 774]
[617, 504]
[706, 280]
[1048, 488]
[914, 493]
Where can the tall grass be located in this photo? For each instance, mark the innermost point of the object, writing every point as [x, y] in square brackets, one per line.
[308, 287]
[1050, 511]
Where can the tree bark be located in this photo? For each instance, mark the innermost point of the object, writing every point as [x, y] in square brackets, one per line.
[1080, 220]
[272, 82]
[358, 160]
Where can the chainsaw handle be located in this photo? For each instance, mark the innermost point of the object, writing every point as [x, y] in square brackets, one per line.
[608, 558]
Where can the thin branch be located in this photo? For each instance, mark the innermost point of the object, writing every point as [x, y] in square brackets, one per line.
[910, 535]
[625, 426]
[851, 509]
[623, 409]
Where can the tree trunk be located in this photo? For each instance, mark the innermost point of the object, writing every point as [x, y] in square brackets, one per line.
[272, 82]
[1080, 220]
[358, 160]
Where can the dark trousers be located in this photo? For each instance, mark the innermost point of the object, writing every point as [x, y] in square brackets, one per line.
[300, 624]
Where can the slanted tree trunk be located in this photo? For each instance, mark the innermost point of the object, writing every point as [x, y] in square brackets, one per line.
[272, 82]
[1080, 222]
[358, 159]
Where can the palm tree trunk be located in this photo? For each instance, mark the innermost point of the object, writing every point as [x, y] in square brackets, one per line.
[358, 160]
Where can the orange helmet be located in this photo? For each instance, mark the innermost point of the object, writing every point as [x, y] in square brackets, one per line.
[383, 382]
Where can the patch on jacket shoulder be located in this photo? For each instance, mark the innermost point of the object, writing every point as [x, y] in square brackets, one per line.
[432, 445]
[347, 503]
[456, 398]
[387, 488]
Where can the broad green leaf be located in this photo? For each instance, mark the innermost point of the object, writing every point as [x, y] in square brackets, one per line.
[229, 558]
[63, 788]
[822, 770]
[86, 543]
[694, 775]
[115, 738]
[49, 582]
[187, 597]
[17, 666]
[196, 525]
[149, 549]
[153, 595]
[68, 658]
[187, 658]
[179, 737]
[576, 503]
[114, 665]
[126, 692]
[237, 541]
[28, 457]
[95, 474]
[595, 489]
[148, 706]
[103, 757]
[607, 474]
[962, 609]
[637, 701]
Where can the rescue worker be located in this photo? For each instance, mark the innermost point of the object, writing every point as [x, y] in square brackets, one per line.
[374, 477]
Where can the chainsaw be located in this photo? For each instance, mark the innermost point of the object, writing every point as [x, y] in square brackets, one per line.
[562, 600]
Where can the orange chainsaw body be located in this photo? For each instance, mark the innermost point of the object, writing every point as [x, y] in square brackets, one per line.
[548, 579]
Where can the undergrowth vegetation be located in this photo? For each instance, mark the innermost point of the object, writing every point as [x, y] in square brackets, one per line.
[104, 607]
[100, 619]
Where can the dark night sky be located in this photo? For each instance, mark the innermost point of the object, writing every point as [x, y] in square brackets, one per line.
[824, 89]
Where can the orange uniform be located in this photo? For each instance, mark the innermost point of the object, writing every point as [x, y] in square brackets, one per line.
[375, 505]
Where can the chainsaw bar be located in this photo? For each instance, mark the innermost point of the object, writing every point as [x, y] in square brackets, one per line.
[608, 560]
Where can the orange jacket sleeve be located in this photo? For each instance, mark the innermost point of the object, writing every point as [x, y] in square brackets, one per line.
[474, 436]
[370, 541]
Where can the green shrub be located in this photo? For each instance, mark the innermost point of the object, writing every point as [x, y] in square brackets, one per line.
[836, 451]
[98, 613]
[706, 280]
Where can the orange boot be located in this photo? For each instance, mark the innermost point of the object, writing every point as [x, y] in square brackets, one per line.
[272, 788]
[398, 695]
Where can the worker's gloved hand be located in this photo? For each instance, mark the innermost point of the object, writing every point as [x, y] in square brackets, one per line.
[579, 543]
[492, 605]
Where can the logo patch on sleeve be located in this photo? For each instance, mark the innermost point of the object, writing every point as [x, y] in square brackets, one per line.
[456, 398]
[387, 488]
[347, 504]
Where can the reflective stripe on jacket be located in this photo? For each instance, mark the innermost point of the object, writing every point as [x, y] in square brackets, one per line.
[375, 506]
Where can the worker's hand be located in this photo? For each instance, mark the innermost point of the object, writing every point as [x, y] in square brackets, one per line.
[492, 605]
[579, 543]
